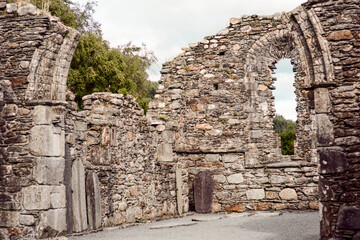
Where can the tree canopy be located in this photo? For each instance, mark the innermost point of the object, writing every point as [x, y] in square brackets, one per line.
[96, 66]
[286, 130]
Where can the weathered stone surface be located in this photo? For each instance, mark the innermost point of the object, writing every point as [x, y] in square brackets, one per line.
[58, 197]
[288, 194]
[236, 208]
[27, 220]
[235, 178]
[203, 189]
[78, 196]
[11, 7]
[123, 206]
[349, 217]
[204, 126]
[10, 110]
[47, 141]
[255, 194]
[220, 178]
[325, 132]
[179, 183]
[52, 223]
[234, 21]
[93, 200]
[165, 153]
[37, 197]
[27, 9]
[49, 171]
[322, 100]
[340, 35]
[9, 219]
[130, 215]
[215, 207]
[43, 115]
[229, 158]
[332, 160]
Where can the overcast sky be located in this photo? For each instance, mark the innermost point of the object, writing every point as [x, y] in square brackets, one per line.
[165, 26]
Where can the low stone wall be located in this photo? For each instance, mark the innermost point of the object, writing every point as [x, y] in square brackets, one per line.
[112, 138]
[285, 185]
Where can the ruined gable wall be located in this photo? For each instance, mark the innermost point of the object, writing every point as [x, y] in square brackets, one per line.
[198, 93]
[217, 95]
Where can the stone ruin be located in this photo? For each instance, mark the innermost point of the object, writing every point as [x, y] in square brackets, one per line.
[207, 142]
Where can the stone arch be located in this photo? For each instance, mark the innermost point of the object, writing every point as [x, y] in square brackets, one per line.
[261, 59]
[50, 64]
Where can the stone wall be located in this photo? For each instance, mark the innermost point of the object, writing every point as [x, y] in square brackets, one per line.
[112, 137]
[218, 95]
[65, 171]
[338, 136]
[35, 53]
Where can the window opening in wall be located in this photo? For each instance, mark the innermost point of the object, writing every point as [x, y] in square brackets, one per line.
[285, 105]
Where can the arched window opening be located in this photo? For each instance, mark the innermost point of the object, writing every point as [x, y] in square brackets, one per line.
[285, 106]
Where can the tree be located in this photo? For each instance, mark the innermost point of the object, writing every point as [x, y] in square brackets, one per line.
[97, 67]
[286, 130]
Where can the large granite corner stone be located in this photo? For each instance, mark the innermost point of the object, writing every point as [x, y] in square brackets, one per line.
[165, 153]
[37, 197]
[332, 160]
[349, 218]
[47, 140]
[52, 224]
[49, 171]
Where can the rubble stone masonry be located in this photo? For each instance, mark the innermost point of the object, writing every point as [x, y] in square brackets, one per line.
[66, 171]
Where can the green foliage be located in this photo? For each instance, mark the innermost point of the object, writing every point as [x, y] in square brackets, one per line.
[59, 8]
[286, 130]
[97, 67]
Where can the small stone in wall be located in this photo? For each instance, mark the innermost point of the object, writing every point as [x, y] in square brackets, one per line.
[340, 35]
[272, 195]
[255, 194]
[27, 220]
[220, 178]
[262, 88]
[235, 178]
[123, 206]
[288, 194]
[314, 205]
[130, 215]
[234, 21]
[133, 191]
[215, 207]
[204, 126]
[28, 9]
[236, 208]
[11, 7]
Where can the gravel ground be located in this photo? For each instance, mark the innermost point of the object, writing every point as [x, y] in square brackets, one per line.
[261, 225]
